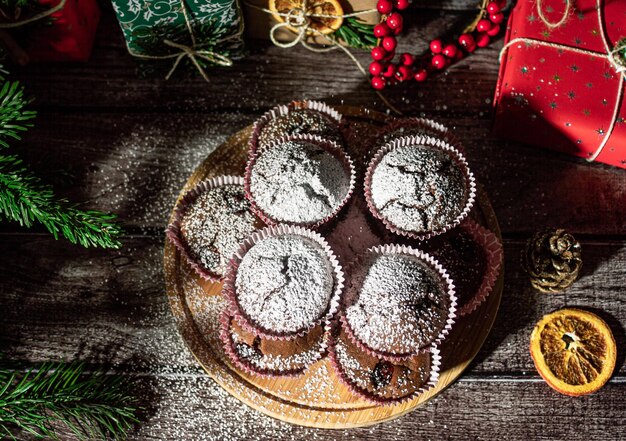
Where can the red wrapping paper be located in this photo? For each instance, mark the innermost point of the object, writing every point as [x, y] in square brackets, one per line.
[70, 35]
[555, 97]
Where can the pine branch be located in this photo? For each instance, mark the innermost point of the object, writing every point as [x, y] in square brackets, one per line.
[13, 116]
[356, 34]
[91, 406]
[26, 200]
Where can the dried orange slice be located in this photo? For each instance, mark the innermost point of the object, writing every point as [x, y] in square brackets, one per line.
[574, 351]
[324, 25]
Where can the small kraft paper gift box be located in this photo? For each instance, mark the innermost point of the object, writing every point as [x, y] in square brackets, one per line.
[205, 32]
[283, 20]
[49, 30]
[561, 80]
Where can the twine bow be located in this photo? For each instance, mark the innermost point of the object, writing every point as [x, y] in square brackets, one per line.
[612, 55]
[193, 51]
[299, 18]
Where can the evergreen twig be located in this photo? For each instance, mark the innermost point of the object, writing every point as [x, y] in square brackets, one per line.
[24, 198]
[59, 396]
[356, 34]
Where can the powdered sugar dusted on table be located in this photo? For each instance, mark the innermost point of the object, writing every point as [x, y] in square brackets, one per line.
[401, 304]
[284, 283]
[298, 182]
[215, 224]
[418, 188]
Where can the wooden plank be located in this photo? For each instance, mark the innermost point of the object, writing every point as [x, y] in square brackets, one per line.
[110, 307]
[194, 407]
[135, 165]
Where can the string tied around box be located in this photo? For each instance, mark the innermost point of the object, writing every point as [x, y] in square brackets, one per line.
[614, 55]
[194, 51]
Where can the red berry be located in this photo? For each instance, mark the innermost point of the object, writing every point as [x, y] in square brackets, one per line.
[450, 51]
[384, 6]
[401, 4]
[376, 68]
[501, 3]
[438, 61]
[482, 40]
[484, 25]
[493, 8]
[497, 18]
[494, 31]
[421, 75]
[407, 59]
[467, 41]
[390, 56]
[436, 46]
[394, 21]
[381, 30]
[459, 55]
[390, 70]
[378, 53]
[403, 73]
[378, 83]
[389, 44]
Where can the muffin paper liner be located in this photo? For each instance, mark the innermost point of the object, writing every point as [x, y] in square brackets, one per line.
[494, 253]
[332, 148]
[253, 142]
[430, 127]
[174, 232]
[435, 368]
[351, 295]
[250, 368]
[230, 291]
[436, 144]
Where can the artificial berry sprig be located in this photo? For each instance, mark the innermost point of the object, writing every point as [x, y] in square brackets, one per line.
[385, 72]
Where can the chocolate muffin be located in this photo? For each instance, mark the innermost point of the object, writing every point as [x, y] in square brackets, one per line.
[465, 261]
[419, 188]
[403, 127]
[472, 255]
[271, 357]
[212, 219]
[380, 380]
[284, 284]
[300, 122]
[299, 181]
[398, 301]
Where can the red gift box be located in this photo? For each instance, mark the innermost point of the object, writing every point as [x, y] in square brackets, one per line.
[558, 86]
[69, 36]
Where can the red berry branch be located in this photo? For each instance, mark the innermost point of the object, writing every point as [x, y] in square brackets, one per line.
[385, 72]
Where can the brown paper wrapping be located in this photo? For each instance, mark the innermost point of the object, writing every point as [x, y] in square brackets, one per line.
[258, 23]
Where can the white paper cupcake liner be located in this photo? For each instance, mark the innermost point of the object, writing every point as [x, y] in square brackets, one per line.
[351, 295]
[494, 254]
[282, 110]
[246, 366]
[230, 291]
[332, 148]
[174, 232]
[433, 143]
[435, 368]
[429, 127]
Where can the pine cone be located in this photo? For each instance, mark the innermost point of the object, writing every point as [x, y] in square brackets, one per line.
[552, 259]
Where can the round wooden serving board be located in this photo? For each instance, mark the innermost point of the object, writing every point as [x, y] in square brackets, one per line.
[317, 398]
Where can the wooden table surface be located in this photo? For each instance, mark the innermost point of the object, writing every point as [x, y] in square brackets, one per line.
[130, 143]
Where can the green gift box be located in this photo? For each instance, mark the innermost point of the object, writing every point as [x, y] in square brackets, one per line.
[206, 32]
